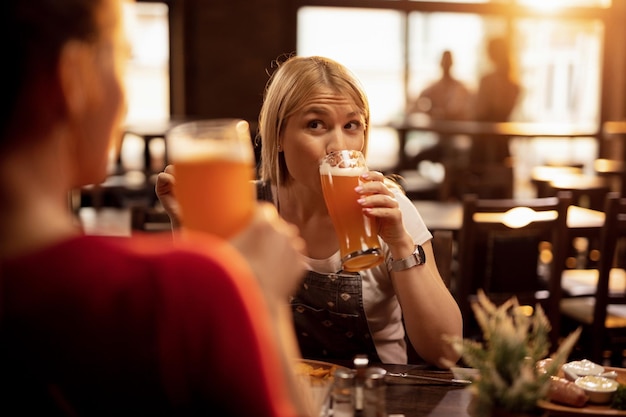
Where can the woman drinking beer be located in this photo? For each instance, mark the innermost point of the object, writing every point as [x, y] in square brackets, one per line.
[108, 326]
[312, 107]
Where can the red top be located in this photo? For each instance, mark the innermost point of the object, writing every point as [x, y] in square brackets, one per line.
[119, 326]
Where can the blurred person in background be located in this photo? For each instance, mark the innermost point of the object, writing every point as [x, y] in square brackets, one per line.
[496, 98]
[93, 325]
[313, 106]
[446, 99]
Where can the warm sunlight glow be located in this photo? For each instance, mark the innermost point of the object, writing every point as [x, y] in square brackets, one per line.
[555, 5]
[545, 5]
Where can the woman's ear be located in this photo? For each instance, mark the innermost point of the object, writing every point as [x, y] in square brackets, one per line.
[74, 68]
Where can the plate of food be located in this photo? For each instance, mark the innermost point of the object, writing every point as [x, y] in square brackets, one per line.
[566, 398]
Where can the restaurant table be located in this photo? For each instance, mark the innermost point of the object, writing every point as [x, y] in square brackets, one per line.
[416, 398]
[504, 130]
[433, 399]
[423, 398]
[439, 215]
[105, 221]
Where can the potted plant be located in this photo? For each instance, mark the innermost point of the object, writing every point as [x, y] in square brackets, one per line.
[509, 381]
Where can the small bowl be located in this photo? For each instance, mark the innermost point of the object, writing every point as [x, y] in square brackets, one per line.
[599, 388]
[583, 368]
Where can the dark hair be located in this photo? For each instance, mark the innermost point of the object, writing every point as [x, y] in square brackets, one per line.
[34, 32]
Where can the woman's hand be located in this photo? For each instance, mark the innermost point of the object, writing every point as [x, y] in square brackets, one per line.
[165, 192]
[378, 201]
[274, 250]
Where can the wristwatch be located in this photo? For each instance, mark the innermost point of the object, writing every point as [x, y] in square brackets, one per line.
[416, 258]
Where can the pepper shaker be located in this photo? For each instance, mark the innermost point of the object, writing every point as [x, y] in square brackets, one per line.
[360, 366]
[343, 393]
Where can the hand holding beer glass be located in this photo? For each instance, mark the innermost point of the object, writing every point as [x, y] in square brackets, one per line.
[214, 163]
[359, 246]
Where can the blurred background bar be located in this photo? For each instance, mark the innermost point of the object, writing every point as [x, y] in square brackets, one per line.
[198, 59]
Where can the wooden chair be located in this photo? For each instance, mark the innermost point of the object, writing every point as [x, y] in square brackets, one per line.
[487, 181]
[443, 248]
[501, 243]
[603, 315]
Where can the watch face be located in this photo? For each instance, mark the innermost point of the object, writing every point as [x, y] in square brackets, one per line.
[421, 255]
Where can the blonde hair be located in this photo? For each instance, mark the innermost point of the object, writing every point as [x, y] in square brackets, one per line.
[289, 88]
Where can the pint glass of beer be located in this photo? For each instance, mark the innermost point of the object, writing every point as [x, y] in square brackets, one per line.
[358, 234]
[214, 168]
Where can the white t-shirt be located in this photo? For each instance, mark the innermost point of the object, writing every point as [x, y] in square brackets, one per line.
[384, 315]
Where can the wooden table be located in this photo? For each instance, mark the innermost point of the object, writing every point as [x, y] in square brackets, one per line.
[426, 399]
[418, 399]
[105, 221]
[410, 398]
[504, 130]
[449, 216]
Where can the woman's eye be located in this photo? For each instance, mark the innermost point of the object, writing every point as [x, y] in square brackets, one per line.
[315, 124]
[355, 125]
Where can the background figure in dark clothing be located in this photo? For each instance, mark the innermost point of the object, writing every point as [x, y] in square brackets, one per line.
[496, 98]
[445, 99]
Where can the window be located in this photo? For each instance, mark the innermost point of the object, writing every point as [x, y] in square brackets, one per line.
[557, 60]
[395, 49]
[147, 78]
[369, 42]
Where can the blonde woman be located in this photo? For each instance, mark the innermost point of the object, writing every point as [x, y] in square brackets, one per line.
[313, 106]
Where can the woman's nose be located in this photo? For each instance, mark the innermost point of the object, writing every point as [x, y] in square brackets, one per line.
[336, 141]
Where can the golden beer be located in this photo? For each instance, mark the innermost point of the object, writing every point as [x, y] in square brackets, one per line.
[215, 195]
[358, 234]
[214, 169]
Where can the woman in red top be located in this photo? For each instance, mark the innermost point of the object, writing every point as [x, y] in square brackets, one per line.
[117, 326]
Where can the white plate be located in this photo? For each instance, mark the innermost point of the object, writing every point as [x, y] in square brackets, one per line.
[596, 410]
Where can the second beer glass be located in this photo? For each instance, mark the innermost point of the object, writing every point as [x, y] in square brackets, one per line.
[358, 234]
[214, 163]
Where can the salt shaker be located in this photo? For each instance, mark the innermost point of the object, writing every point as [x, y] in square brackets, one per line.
[374, 403]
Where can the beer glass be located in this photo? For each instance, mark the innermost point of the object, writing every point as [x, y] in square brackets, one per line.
[358, 238]
[214, 168]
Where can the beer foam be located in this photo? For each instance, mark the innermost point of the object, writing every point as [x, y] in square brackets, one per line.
[326, 169]
[212, 150]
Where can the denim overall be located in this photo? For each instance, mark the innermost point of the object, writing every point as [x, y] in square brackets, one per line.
[328, 311]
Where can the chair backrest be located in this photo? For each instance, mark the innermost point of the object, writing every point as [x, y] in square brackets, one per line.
[443, 248]
[486, 180]
[613, 231]
[501, 243]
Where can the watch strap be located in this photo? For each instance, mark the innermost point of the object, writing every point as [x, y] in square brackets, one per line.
[418, 257]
